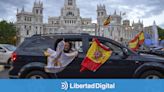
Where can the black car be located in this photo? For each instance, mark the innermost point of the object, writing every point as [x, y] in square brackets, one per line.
[29, 60]
[154, 52]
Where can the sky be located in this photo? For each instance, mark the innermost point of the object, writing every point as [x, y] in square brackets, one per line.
[145, 10]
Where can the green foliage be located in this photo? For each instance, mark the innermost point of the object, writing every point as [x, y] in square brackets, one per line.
[7, 33]
[161, 33]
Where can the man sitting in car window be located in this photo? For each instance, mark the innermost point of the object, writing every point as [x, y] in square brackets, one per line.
[62, 56]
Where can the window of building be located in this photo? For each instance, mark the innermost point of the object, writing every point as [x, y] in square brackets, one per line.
[27, 32]
[70, 14]
[29, 18]
[102, 13]
[36, 11]
[57, 22]
[70, 2]
[30, 27]
[25, 18]
[24, 26]
[40, 11]
[98, 13]
[18, 18]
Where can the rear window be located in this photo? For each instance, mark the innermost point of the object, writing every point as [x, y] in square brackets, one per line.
[37, 46]
[10, 47]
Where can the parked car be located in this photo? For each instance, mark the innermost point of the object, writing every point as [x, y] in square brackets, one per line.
[6, 51]
[159, 51]
[29, 60]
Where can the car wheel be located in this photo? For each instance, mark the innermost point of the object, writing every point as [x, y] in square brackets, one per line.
[36, 75]
[152, 75]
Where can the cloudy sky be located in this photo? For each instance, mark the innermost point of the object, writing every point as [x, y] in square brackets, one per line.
[146, 10]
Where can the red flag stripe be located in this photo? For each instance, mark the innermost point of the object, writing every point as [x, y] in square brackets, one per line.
[90, 65]
[99, 44]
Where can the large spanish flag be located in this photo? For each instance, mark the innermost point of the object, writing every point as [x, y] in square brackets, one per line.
[137, 41]
[97, 55]
[107, 21]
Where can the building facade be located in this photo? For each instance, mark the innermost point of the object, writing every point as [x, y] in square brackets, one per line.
[70, 21]
[29, 23]
[118, 29]
[151, 35]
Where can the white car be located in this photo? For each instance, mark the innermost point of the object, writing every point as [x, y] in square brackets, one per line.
[6, 51]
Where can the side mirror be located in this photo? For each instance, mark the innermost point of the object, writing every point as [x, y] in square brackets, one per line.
[126, 52]
[2, 50]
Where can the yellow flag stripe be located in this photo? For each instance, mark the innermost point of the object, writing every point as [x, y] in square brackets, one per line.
[103, 54]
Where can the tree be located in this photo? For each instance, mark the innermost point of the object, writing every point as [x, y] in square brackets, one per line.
[161, 33]
[7, 33]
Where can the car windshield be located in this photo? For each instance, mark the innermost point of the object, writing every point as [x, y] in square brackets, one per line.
[10, 47]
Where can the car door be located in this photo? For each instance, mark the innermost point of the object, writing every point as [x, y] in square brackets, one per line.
[118, 65]
[73, 69]
[2, 55]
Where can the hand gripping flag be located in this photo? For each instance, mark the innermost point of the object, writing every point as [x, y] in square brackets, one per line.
[137, 41]
[97, 55]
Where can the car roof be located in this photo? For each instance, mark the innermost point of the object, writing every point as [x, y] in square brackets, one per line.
[6, 44]
[74, 35]
[63, 34]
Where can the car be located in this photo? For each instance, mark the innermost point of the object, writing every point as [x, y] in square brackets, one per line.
[29, 60]
[6, 51]
[159, 51]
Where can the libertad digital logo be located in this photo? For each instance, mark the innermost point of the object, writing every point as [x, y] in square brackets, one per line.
[64, 85]
[103, 86]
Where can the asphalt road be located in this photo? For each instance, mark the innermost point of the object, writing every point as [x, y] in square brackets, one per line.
[3, 72]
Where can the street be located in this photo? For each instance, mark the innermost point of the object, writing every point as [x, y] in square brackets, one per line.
[3, 72]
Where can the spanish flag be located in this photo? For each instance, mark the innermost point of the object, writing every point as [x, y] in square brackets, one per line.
[107, 21]
[133, 44]
[97, 55]
[137, 41]
[141, 38]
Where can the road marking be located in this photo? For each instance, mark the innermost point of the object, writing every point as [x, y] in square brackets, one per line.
[1, 67]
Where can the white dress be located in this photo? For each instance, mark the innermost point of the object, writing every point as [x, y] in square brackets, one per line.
[65, 58]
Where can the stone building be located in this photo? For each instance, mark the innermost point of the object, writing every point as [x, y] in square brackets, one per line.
[70, 21]
[118, 30]
[29, 23]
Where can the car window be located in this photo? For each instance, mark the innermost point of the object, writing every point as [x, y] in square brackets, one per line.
[112, 47]
[10, 47]
[1, 49]
[36, 46]
[116, 50]
[77, 44]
